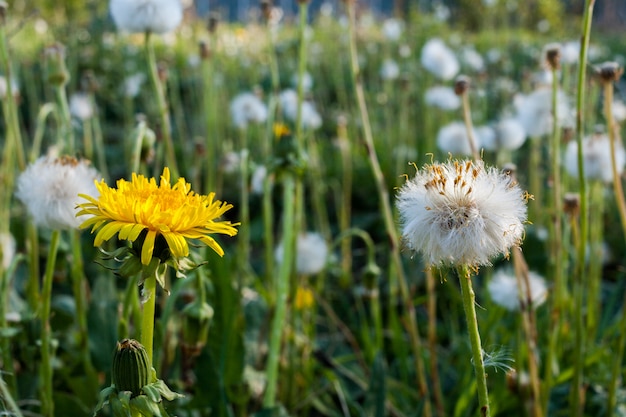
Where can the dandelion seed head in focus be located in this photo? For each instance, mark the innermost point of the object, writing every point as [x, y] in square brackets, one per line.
[138, 16]
[461, 213]
[49, 188]
[504, 290]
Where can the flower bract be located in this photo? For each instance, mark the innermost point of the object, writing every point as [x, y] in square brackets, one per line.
[172, 212]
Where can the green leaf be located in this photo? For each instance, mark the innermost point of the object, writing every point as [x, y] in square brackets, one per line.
[376, 394]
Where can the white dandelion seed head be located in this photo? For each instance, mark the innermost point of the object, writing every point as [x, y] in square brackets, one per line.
[257, 180]
[534, 111]
[392, 29]
[307, 81]
[570, 52]
[7, 249]
[438, 59]
[442, 97]
[389, 70]
[472, 59]
[452, 138]
[81, 106]
[138, 16]
[4, 88]
[132, 84]
[596, 158]
[461, 213]
[49, 189]
[311, 253]
[504, 290]
[288, 100]
[510, 134]
[247, 108]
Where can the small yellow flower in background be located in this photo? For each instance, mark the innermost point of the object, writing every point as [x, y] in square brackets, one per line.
[304, 298]
[172, 211]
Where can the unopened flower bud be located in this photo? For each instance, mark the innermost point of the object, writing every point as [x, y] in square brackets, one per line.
[56, 71]
[461, 85]
[609, 71]
[371, 273]
[552, 55]
[131, 369]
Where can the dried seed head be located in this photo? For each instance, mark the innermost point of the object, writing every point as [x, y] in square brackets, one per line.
[214, 19]
[552, 55]
[571, 204]
[609, 71]
[461, 85]
[205, 52]
[266, 9]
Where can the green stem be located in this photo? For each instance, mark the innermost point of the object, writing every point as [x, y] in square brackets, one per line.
[282, 289]
[467, 293]
[7, 398]
[467, 119]
[147, 315]
[65, 139]
[96, 129]
[159, 91]
[45, 372]
[387, 214]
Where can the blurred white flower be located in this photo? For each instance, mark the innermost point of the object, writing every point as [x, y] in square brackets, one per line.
[7, 249]
[288, 100]
[596, 157]
[473, 59]
[438, 59]
[132, 84]
[510, 134]
[49, 189]
[15, 89]
[389, 70]
[40, 26]
[307, 81]
[257, 180]
[494, 55]
[81, 106]
[504, 290]
[311, 253]
[442, 97]
[534, 111]
[247, 108]
[452, 138]
[392, 29]
[441, 11]
[570, 52]
[230, 162]
[461, 213]
[404, 51]
[138, 16]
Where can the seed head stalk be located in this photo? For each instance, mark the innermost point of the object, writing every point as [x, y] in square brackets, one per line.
[387, 213]
[467, 292]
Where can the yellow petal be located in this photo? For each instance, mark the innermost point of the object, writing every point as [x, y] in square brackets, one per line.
[148, 247]
[177, 244]
[210, 242]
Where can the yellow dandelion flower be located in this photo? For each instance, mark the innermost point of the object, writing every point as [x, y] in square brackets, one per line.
[172, 211]
[304, 298]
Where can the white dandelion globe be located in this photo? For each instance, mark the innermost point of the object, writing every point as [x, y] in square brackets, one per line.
[504, 290]
[534, 111]
[288, 100]
[486, 138]
[439, 60]
[596, 158]
[452, 138]
[461, 213]
[247, 108]
[49, 189]
[392, 29]
[311, 253]
[137, 16]
[389, 70]
[7, 249]
[442, 97]
[510, 134]
[81, 106]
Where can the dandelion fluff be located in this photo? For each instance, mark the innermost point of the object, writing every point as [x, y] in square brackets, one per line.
[311, 255]
[461, 213]
[504, 290]
[438, 59]
[596, 157]
[137, 16]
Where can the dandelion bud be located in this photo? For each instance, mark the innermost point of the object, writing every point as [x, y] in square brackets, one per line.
[571, 204]
[214, 19]
[371, 273]
[552, 55]
[609, 71]
[131, 367]
[56, 71]
[197, 318]
[205, 52]
[266, 9]
[461, 85]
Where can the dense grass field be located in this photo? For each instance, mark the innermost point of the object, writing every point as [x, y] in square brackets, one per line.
[339, 214]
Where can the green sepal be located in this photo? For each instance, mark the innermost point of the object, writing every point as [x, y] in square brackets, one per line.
[145, 406]
[165, 391]
[183, 265]
[103, 398]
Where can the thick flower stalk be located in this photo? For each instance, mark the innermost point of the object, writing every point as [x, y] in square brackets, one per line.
[461, 213]
[172, 212]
